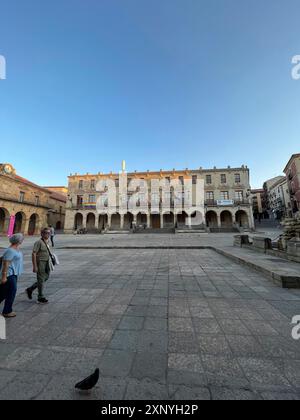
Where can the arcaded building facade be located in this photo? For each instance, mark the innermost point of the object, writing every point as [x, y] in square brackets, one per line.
[227, 202]
[32, 207]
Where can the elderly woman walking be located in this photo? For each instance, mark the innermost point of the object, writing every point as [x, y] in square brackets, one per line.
[11, 269]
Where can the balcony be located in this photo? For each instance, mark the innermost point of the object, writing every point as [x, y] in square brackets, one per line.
[214, 203]
[242, 202]
[82, 206]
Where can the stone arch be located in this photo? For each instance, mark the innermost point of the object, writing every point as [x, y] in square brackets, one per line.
[102, 221]
[197, 218]
[33, 227]
[226, 219]
[242, 219]
[141, 219]
[168, 220]
[115, 221]
[128, 219]
[78, 221]
[212, 219]
[20, 222]
[182, 219]
[4, 220]
[155, 221]
[90, 221]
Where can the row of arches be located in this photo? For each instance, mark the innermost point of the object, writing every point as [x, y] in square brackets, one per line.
[225, 219]
[20, 221]
[29, 225]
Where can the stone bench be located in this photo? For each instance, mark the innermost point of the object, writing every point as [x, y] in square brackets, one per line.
[293, 248]
[262, 243]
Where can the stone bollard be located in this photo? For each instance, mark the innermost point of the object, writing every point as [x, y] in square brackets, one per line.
[262, 243]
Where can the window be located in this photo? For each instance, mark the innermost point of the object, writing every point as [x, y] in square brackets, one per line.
[117, 182]
[60, 209]
[155, 198]
[181, 180]
[37, 200]
[223, 179]
[92, 198]
[92, 184]
[194, 179]
[21, 198]
[79, 200]
[210, 195]
[239, 195]
[80, 185]
[208, 179]
[237, 178]
[224, 195]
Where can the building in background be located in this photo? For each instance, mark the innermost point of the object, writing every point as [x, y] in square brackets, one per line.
[292, 172]
[268, 187]
[228, 204]
[29, 206]
[259, 204]
[279, 199]
[60, 190]
[57, 210]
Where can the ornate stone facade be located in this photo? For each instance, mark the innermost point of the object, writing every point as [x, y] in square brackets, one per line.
[228, 202]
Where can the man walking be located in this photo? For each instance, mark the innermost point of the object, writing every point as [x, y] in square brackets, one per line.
[52, 234]
[41, 266]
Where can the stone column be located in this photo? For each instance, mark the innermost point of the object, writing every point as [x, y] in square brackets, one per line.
[84, 217]
[26, 226]
[148, 220]
[251, 219]
[219, 220]
[122, 221]
[109, 221]
[6, 224]
[69, 221]
[189, 219]
[161, 220]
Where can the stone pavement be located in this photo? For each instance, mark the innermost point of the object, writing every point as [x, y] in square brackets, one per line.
[160, 324]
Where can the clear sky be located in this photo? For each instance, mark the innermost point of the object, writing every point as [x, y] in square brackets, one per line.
[160, 83]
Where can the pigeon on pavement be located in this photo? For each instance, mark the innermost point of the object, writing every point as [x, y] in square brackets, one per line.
[88, 383]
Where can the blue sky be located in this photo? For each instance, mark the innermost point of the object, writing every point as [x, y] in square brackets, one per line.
[160, 83]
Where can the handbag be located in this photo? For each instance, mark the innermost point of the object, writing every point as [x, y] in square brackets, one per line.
[53, 257]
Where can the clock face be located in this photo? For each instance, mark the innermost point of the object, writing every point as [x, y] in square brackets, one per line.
[7, 169]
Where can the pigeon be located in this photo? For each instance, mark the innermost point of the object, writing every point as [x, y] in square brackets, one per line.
[88, 383]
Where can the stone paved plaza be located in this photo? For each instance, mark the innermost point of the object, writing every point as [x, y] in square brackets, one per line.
[159, 323]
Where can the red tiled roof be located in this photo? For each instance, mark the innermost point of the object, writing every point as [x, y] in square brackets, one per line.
[27, 182]
[58, 196]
